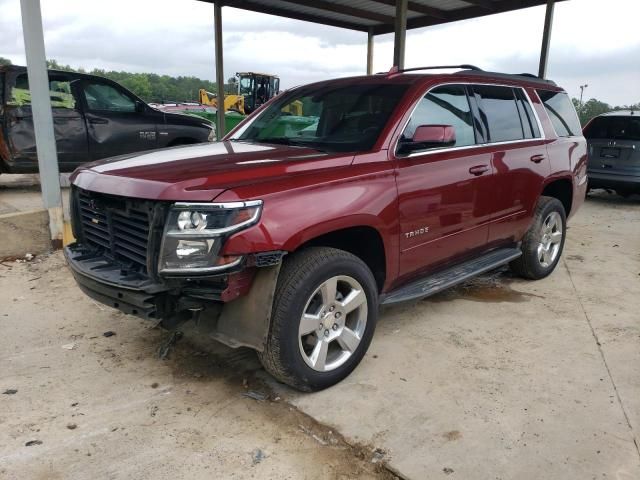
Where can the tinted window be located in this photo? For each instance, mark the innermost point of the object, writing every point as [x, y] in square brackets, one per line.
[529, 122]
[59, 92]
[561, 112]
[614, 128]
[445, 105]
[500, 113]
[101, 96]
[345, 118]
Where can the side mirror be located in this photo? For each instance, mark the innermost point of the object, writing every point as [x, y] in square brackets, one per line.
[437, 135]
[140, 107]
[430, 136]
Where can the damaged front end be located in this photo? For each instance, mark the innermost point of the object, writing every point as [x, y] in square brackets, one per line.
[163, 261]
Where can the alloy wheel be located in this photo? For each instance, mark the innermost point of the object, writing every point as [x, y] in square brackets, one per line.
[333, 323]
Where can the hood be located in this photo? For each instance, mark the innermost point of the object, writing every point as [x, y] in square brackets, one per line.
[200, 172]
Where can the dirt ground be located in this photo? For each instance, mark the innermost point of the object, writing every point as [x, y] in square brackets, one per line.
[496, 379]
[82, 403]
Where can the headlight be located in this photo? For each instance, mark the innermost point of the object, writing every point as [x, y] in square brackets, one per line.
[195, 232]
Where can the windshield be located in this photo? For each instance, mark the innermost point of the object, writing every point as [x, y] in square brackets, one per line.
[246, 85]
[331, 118]
[614, 128]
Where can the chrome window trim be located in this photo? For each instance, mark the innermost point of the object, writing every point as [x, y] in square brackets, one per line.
[477, 145]
[535, 114]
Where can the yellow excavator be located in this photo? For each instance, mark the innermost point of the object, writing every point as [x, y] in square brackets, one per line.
[231, 102]
[254, 89]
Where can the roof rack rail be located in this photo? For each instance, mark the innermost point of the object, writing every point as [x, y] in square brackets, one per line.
[473, 70]
[395, 69]
[464, 66]
[528, 77]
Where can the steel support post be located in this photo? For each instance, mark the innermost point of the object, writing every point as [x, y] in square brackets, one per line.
[42, 117]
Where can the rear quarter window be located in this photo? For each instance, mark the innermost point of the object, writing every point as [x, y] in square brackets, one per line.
[561, 112]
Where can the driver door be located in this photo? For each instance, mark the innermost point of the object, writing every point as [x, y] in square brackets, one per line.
[445, 192]
[117, 122]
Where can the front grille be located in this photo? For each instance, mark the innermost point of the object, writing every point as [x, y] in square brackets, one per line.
[115, 226]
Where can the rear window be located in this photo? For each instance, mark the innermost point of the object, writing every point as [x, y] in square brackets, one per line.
[501, 112]
[59, 92]
[561, 112]
[614, 128]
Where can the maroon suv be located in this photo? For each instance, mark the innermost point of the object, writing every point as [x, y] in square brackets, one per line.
[287, 236]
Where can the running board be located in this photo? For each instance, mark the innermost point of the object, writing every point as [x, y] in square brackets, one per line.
[447, 278]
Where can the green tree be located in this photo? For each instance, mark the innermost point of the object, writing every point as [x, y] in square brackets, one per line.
[591, 108]
[5, 61]
[149, 86]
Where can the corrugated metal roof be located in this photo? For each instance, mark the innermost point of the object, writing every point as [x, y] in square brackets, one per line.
[379, 15]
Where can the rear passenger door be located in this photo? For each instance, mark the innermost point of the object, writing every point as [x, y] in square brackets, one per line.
[443, 192]
[518, 157]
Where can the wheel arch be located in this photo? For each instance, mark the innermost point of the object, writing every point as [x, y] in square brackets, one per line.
[561, 189]
[364, 241]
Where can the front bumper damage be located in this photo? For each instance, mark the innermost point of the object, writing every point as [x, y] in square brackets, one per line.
[234, 308]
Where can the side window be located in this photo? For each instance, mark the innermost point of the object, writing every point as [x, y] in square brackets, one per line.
[529, 122]
[445, 105]
[561, 112]
[100, 96]
[59, 92]
[500, 112]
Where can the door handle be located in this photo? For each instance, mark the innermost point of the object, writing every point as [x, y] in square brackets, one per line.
[98, 121]
[479, 170]
[537, 158]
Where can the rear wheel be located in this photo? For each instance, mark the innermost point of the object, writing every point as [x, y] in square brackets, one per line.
[324, 316]
[625, 192]
[544, 241]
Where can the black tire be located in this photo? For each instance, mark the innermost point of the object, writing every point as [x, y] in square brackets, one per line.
[624, 193]
[301, 275]
[529, 264]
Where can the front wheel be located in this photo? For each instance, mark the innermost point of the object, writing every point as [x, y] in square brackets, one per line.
[544, 241]
[324, 315]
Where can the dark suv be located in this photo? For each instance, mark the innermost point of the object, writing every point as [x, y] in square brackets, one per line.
[93, 118]
[288, 240]
[614, 151]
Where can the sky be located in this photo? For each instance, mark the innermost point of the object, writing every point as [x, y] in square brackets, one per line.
[593, 42]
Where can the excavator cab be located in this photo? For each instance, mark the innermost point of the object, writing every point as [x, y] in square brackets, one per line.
[257, 89]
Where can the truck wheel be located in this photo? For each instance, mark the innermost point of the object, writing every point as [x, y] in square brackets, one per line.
[324, 315]
[543, 243]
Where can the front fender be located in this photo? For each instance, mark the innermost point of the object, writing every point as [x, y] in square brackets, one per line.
[365, 196]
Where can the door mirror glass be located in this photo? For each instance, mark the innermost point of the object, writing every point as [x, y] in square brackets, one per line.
[429, 136]
[441, 135]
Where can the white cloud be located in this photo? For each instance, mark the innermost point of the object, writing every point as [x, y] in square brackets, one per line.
[591, 42]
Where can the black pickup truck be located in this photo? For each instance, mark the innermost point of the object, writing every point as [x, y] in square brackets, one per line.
[93, 118]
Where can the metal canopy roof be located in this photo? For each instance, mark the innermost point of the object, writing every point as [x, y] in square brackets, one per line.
[379, 15]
